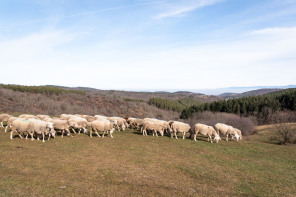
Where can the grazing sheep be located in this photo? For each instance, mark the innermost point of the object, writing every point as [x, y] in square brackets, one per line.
[10, 120]
[166, 125]
[66, 116]
[89, 118]
[78, 123]
[206, 131]
[102, 126]
[135, 123]
[61, 125]
[4, 117]
[43, 117]
[100, 117]
[226, 130]
[179, 127]
[152, 126]
[41, 127]
[27, 116]
[22, 126]
[239, 132]
[119, 122]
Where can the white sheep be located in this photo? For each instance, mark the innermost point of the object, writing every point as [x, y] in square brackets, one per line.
[4, 117]
[206, 131]
[179, 127]
[226, 130]
[152, 126]
[102, 126]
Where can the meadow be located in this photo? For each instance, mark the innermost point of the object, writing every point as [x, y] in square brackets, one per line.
[133, 165]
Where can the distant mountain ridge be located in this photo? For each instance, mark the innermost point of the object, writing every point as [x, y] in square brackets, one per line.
[239, 90]
[146, 95]
[248, 93]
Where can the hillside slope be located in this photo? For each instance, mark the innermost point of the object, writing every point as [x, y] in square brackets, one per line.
[133, 165]
[36, 103]
[248, 93]
[146, 95]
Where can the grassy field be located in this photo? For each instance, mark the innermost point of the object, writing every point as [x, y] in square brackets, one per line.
[133, 165]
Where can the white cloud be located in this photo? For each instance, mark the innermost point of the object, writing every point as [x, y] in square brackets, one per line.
[184, 7]
[260, 58]
[275, 31]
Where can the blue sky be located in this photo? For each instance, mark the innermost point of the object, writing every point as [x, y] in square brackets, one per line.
[148, 44]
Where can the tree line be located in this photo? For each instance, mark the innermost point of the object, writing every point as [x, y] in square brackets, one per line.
[41, 89]
[252, 105]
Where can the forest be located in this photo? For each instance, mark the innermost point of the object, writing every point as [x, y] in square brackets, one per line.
[41, 89]
[259, 106]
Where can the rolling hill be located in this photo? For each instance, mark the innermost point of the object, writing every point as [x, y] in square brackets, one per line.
[248, 93]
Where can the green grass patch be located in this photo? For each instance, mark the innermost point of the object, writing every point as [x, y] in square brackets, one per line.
[134, 165]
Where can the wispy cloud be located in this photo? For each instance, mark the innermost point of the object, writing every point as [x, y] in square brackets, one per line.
[114, 8]
[274, 30]
[84, 13]
[181, 9]
[3, 29]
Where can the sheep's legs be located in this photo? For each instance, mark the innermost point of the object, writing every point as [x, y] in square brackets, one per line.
[20, 135]
[176, 135]
[11, 134]
[6, 128]
[69, 133]
[32, 136]
[97, 133]
[111, 134]
[184, 135]
[154, 131]
[73, 130]
[226, 137]
[210, 137]
[43, 137]
[194, 137]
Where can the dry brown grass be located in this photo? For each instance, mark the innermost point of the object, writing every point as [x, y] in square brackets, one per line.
[133, 165]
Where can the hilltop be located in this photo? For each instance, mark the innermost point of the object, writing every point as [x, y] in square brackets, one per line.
[248, 93]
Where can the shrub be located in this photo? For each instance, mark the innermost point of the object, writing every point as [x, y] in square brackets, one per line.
[285, 133]
[133, 100]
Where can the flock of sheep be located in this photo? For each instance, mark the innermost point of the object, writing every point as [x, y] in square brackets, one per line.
[45, 126]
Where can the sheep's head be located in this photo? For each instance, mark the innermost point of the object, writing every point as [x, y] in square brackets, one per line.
[51, 130]
[236, 137]
[217, 138]
[169, 128]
